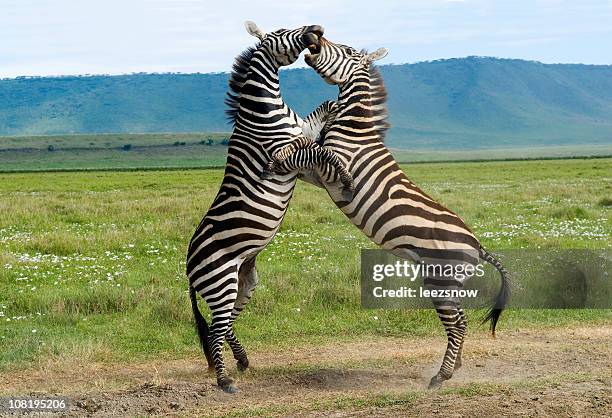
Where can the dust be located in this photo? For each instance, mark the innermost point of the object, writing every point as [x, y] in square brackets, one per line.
[551, 372]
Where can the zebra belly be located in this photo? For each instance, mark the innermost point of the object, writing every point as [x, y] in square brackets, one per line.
[392, 211]
[236, 228]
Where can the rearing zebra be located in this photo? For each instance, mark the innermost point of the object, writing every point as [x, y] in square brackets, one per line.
[247, 211]
[391, 210]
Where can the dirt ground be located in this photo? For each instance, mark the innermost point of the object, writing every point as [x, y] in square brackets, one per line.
[551, 372]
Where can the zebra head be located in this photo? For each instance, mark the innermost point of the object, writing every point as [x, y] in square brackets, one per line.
[336, 63]
[284, 46]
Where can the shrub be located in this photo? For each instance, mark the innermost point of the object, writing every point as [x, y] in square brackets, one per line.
[127, 147]
[605, 202]
[50, 148]
[570, 213]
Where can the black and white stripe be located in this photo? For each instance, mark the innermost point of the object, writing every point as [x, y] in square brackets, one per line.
[247, 211]
[313, 155]
[318, 123]
[389, 208]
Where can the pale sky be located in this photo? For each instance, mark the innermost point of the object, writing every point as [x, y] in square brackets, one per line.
[53, 37]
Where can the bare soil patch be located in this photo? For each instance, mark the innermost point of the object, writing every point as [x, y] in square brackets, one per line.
[550, 372]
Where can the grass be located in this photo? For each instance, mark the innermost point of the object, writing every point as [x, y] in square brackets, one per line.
[401, 402]
[340, 403]
[119, 151]
[92, 263]
[108, 141]
[198, 150]
[504, 153]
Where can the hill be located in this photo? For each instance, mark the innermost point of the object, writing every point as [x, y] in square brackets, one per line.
[463, 103]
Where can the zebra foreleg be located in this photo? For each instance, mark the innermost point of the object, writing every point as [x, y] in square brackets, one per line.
[455, 330]
[300, 142]
[247, 281]
[327, 161]
[314, 129]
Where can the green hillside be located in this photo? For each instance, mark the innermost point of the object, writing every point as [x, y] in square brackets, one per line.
[467, 103]
[484, 102]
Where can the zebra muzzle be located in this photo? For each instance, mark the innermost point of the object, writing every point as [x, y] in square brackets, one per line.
[312, 41]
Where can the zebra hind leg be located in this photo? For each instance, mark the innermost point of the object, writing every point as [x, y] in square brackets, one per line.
[465, 321]
[221, 301]
[217, 338]
[247, 281]
[455, 330]
[240, 354]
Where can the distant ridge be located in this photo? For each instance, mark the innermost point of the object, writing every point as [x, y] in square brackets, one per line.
[459, 103]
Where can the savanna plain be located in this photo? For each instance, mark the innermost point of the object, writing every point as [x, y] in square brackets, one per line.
[94, 303]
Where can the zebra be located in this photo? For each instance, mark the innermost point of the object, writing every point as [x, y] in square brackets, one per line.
[389, 208]
[247, 211]
[316, 126]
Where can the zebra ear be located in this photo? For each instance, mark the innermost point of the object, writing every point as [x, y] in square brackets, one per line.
[252, 29]
[380, 53]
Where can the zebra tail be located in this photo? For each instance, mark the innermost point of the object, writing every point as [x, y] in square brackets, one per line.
[201, 326]
[501, 300]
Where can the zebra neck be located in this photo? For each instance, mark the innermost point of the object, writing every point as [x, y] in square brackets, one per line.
[354, 104]
[260, 94]
[362, 110]
[264, 65]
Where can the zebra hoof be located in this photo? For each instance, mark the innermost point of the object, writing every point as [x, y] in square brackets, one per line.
[227, 384]
[230, 389]
[242, 364]
[435, 383]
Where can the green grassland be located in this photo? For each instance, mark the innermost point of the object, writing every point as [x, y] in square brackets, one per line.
[189, 150]
[92, 263]
[530, 153]
[109, 141]
[113, 151]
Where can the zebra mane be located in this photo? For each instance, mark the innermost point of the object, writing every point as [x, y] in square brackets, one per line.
[236, 81]
[378, 101]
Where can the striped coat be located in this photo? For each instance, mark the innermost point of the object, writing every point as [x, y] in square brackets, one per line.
[389, 208]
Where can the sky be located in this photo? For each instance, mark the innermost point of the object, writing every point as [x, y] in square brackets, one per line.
[60, 37]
